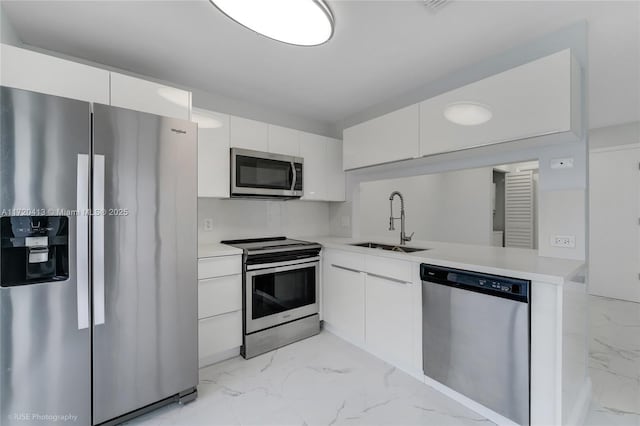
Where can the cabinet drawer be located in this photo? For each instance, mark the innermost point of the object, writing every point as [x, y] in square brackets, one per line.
[345, 259]
[218, 334]
[390, 268]
[210, 267]
[219, 295]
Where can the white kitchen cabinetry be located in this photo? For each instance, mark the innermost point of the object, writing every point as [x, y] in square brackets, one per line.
[540, 98]
[390, 319]
[213, 153]
[219, 308]
[147, 96]
[343, 298]
[283, 140]
[249, 134]
[313, 148]
[375, 302]
[324, 178]
[334, 174]
[28, 70]
[391, 137]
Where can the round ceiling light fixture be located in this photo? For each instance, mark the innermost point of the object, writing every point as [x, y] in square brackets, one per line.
[298, 22]
[467, 113]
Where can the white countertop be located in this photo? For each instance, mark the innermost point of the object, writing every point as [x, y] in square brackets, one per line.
[217, 249]
[510, 262]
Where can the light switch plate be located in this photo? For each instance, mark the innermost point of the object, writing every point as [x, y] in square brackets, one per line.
[563, 241]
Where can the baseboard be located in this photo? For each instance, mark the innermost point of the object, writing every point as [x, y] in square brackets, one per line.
[580, 409]
[219, 357]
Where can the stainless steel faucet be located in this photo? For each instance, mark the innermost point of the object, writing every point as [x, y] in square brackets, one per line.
[403, 236]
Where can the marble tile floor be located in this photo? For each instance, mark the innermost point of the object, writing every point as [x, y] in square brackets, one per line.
[614, 362]
[327, 381]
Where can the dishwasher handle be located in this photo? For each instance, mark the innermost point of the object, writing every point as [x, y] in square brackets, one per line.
[493, 285]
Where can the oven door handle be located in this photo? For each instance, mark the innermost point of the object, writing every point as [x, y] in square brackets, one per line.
[268, 268]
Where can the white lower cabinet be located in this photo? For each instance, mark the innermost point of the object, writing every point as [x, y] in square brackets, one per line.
[375, 302]
[218, 335]
[343, 301]
[390, 319]
[219, 308]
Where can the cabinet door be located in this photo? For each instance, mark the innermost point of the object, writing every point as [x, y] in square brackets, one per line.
[391, 137]
[28, 70]
[535, 99]
[249, 134]
[389, 319]
[213, 153]
[343, 301]
[147, 96]
[313, 150]
[284, 141]
[334, 174]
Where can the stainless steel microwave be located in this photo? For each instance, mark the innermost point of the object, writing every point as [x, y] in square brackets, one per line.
[265, 175]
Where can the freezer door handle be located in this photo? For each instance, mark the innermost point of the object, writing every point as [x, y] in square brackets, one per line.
[82, 241]
[98, 239]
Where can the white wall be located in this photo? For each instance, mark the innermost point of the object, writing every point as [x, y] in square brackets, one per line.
[452, 207]
[239, 218]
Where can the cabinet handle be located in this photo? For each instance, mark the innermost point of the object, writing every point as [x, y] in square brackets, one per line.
[82, 241]
[345, 268]
[389, 278]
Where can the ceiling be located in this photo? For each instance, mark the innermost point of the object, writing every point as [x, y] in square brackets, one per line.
[380, 49]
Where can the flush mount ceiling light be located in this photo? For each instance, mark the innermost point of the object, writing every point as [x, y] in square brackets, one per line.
[467, 113]
[299, 22]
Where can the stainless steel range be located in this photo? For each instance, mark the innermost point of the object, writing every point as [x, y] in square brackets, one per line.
[280, 292]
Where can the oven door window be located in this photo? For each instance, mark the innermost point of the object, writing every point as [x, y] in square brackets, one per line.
[253, 172]
[282, 291]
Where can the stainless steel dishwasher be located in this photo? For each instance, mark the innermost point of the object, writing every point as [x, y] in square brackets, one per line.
[475, 337]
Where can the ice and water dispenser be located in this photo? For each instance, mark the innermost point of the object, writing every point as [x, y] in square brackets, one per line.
[33, 249]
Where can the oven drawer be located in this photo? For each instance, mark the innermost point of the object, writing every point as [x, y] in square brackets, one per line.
[219, 334]
[219, 295]
[220, 266]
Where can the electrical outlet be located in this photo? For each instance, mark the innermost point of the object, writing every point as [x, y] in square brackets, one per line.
[563, 241]
[208, 225]
[562, 163]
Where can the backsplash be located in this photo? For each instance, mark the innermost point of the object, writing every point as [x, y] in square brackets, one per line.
[259, 218]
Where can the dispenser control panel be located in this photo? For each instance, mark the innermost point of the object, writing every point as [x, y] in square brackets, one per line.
[33, 249]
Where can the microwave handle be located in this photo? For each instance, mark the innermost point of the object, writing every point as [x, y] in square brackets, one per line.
[294, 176]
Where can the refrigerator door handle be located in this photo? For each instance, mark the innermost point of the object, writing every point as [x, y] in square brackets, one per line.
[82, 241]
[98, 239]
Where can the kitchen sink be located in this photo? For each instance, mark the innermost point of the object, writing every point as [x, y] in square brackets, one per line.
[389, 247]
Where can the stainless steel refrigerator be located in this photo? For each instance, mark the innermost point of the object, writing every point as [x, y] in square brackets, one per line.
[98, 312]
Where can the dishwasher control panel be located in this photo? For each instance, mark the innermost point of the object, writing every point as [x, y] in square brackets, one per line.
[510, 288]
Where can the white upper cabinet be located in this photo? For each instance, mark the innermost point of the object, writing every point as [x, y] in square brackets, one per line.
[335, 176]
[28, 70]
[213, 153]
[540, 98]
[283, 140]
[313, 149]
[391, 137]
[249, 134]
[324, 178]
[146, 96]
